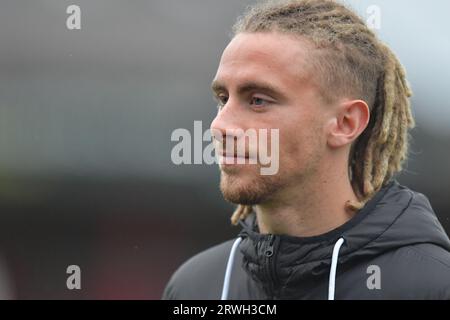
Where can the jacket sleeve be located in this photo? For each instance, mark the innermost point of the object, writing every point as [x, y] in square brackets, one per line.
[169, 293]
[200, 277]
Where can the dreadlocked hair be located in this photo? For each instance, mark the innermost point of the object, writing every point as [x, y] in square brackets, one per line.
[348, 60]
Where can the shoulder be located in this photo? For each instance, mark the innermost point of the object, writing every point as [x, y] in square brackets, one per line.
[200, 277]
[420, 271]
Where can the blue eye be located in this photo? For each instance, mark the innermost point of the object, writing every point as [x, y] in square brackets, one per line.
[221, 101]
[258, 101]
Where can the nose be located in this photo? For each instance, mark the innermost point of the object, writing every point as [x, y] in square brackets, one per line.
[227, 123]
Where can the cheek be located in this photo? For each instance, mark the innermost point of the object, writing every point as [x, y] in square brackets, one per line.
[292, 148]
[300, 144]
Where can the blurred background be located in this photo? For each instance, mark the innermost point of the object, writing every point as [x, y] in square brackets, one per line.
[86, 118]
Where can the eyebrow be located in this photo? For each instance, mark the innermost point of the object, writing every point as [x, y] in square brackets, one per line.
[218, 86]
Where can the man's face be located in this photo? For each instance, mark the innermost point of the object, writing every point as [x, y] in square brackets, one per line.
[262, 83]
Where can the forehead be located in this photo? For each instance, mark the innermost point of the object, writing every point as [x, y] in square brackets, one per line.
[273, 57]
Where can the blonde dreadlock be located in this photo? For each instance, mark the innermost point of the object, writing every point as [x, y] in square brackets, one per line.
[348, 59]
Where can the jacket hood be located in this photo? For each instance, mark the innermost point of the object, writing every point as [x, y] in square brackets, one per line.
[395, 217]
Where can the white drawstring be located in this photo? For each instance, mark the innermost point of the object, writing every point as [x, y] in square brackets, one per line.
[331, 282]
[334, 261]
[226, 281]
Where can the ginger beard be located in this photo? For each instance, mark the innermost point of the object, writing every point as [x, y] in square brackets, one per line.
[244, 184]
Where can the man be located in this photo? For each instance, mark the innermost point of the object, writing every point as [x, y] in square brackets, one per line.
[332, 223]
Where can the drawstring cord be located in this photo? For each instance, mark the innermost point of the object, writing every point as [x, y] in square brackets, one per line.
[227, 279]
[331, 282]
[334, 261]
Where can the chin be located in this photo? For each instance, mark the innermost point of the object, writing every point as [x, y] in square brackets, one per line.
[247, 188]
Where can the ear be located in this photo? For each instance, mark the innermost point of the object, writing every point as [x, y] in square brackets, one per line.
[348, 121]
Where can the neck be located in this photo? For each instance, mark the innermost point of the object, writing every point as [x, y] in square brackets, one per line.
[309, 209]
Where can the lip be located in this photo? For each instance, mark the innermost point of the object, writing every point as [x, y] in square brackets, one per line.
[232, 155]
[232, 160]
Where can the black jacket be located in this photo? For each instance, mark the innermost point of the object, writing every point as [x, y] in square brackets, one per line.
[393, 248]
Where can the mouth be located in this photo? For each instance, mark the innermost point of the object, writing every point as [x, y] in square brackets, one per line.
[226, 159]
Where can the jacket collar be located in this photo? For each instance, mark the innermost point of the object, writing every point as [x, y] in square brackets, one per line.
[283, 265]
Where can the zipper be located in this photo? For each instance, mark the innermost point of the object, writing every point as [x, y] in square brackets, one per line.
[270, 263]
